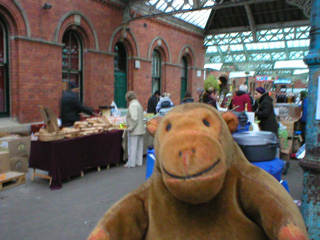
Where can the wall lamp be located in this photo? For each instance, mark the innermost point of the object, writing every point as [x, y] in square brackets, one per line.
[46, 6]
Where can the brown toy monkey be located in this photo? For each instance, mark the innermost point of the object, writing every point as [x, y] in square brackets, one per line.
[202, 187]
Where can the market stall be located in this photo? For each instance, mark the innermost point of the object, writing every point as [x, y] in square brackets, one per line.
[69, 157]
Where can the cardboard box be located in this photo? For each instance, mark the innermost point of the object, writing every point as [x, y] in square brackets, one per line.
[291, 126]
[19, 164]
[4, 162]
[296, 145]
[289, 111]
[285, 152]
[16, 146]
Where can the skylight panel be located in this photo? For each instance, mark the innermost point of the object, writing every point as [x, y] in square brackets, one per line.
[236, 47]
[290, 64]
[197, 18]
[300, 71]
[212, 49]
[216, 66]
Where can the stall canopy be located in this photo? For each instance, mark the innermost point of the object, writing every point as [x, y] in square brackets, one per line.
[242, 35]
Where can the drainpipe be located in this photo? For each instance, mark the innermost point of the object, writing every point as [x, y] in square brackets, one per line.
[310, 207]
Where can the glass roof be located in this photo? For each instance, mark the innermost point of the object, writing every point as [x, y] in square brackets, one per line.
[198, 18]
[275, 51]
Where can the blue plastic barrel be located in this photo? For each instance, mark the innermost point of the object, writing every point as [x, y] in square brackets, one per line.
[274, 167]
[151, 158]
[284, 183]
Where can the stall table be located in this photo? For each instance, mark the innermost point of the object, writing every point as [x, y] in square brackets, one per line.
[69, 157]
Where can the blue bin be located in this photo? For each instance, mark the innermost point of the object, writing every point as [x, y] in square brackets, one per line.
[284, 183]
[151, 158]
[274, 167]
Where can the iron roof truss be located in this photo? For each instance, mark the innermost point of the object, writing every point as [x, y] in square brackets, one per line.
[242, 34]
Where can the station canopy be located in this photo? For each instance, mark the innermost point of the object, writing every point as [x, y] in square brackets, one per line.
[259, 37]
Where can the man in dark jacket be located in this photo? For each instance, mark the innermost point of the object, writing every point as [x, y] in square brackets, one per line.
[152, 102]
[265, 111]
[71, 107]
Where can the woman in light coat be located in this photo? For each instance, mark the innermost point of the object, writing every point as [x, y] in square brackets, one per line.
[135, 129]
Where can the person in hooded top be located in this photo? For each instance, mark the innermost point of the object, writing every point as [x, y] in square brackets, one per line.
[241, 99]
[164, 105]
[265, 111]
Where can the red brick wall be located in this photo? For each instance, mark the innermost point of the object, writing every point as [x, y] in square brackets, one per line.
[35, 62]
[38, 80]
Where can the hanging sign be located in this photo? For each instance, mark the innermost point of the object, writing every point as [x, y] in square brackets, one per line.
[318, 101]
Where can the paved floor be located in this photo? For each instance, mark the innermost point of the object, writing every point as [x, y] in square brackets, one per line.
[32, 211]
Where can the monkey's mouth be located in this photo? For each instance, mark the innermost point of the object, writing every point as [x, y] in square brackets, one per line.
[193, 175]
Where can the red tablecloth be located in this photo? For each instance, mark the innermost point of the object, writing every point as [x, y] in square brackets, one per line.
[66, 158]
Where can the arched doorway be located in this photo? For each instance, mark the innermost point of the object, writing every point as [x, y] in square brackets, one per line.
[156, 71]
[72, 62]
[184, 77]
[120, 75]
[4, 78]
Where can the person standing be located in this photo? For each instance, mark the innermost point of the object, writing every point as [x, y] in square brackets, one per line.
[303, 119]
[187, 98]
[265, 111]
[209, 97]
[164, 105]
[70, 107]
[241, 99]
[136, 130]
[152, 102]
[200, 92]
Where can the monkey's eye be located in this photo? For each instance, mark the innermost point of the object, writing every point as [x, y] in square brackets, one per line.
[205, 122]
[168, 127]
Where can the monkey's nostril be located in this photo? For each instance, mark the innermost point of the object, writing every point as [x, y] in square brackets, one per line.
[180, 154]
[193, 150]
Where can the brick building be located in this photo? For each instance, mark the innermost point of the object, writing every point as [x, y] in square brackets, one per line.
[46, 45]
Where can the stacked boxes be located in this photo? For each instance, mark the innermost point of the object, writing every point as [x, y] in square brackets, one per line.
[17, 149]
[289, 114]
[4, 162]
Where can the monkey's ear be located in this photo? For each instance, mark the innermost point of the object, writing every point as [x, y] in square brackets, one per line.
[231, 119]
[152, 125]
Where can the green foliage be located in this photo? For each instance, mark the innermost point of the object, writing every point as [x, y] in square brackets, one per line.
[211, 82]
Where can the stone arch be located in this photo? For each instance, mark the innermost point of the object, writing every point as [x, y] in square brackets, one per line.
[163, 49]
[18, 24]
[73, 20]
[187, 52]
[127, 38]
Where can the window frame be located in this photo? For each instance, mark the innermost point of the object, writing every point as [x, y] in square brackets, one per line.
[157, 74]
[5, 65]
[69, 71]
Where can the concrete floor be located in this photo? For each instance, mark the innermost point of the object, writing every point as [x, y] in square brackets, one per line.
[32, 211]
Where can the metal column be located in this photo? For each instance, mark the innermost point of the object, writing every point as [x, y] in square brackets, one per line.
[311, 163]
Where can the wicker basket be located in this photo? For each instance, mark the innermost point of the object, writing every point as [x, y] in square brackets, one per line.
[51, 137]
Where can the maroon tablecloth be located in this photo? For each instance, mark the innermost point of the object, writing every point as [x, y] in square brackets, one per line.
[66, 158]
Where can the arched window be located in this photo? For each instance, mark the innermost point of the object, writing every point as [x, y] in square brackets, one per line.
[120, 75]
[156, 71]
[120, 58]
[184, 77]
[72, 62]
[4, 80]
